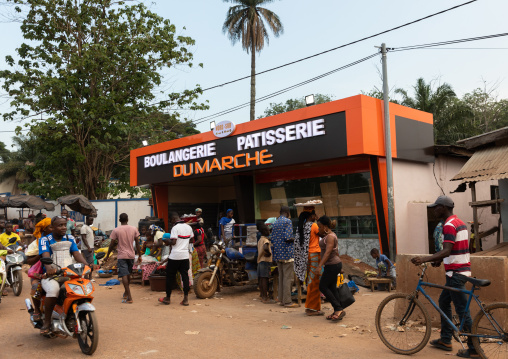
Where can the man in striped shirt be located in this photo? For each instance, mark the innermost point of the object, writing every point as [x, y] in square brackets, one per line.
[455, 256]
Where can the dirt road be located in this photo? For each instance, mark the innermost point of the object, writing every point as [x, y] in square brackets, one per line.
[234, 323]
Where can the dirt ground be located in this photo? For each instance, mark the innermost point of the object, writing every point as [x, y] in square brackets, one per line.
[233, 323]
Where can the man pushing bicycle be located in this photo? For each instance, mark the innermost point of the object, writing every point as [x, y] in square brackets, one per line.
[456, 259]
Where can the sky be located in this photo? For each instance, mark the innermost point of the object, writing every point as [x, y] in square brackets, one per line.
[313, 27]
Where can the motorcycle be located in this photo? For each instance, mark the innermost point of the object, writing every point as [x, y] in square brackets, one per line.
[226, 267]
[13, 274]
[73, 315]
[3, 276]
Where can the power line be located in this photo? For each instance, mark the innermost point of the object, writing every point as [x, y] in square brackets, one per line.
[344, 45]
[449, 42]
[279, 92]
[464, 48]
[402, 48]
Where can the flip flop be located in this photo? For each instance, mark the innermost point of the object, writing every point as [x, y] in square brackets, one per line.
[36, 317]
[184, 304]
[338, 317]
[45, 331]
[125, 301]
[163, 301]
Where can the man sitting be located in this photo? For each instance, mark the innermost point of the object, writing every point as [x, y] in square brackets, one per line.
[61, 248]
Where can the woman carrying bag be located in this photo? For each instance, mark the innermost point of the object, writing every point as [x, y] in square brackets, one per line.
[332, 265]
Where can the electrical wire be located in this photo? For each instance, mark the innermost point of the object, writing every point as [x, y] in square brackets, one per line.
[342, 46]
[279, 92]
[393, 49]
[443, 43]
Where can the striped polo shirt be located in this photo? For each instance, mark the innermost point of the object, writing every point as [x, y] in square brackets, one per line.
[455, 232]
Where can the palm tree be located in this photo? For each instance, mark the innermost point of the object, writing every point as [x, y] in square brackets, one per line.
[428, 99]
[245, 22]
[441, 102]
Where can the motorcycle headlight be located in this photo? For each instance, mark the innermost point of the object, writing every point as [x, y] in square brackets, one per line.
[76, 289]
[88, 288]
[214, 249]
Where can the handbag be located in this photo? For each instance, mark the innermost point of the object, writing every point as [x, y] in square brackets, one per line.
[345, 296]
[35, 269]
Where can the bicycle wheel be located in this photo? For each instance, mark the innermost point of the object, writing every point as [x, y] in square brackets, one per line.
[495, 321]
[403, 323]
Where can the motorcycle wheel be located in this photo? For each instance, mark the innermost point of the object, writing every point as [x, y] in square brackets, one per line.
[202, 286]
[17, 285]
[89, 337]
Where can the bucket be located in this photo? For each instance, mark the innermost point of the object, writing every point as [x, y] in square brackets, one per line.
[157, 283]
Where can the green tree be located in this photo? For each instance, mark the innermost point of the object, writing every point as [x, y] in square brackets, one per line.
[293, 104]
[18, 163]
[91, 68]
[245, 22]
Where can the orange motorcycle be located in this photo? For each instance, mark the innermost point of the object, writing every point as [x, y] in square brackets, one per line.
[74, 314]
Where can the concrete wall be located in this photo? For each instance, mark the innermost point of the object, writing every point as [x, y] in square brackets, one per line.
[503, 193]
[109, 210]
[418, 184]
[359, 248]
[493, 268]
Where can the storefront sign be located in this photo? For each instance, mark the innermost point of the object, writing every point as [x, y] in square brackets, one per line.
[224, 129]
[299, 142]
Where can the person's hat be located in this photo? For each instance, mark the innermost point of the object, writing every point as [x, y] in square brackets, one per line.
[443, 201]
[198, 210]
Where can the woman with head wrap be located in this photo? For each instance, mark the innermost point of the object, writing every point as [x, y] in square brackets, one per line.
[42, 229]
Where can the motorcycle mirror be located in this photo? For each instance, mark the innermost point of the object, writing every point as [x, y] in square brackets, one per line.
[46, 261]
[12, 240]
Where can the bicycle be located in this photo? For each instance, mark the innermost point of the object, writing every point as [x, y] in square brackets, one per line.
[404, 325]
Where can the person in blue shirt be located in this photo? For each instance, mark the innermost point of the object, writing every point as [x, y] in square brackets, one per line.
[62, 249]
[283, 253]
[385, 267]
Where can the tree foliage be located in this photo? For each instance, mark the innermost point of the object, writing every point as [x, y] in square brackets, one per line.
[91, 68]
[247, 23]
[293, 104]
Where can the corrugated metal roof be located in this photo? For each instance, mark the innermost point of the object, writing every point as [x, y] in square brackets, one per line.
[485, 164]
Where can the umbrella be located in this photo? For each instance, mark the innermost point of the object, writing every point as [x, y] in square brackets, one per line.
[26, 201]
[78, 203]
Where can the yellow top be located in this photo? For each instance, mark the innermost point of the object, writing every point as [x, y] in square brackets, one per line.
[4, 238]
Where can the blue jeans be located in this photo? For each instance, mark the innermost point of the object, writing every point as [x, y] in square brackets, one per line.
[459, 301]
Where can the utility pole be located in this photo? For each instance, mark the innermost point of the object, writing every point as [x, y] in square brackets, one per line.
[388, 154]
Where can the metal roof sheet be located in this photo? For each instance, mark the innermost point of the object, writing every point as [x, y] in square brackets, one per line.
[485, 164]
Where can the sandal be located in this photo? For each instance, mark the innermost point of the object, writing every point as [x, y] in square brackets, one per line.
[184, 304]
[125, 301]
[466, 353]
[329, 317]
[336, 318]
[316, 313]
[45, 331]
[36, 317]
[164, 301]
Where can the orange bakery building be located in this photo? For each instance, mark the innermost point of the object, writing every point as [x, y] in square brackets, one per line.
[332, 152]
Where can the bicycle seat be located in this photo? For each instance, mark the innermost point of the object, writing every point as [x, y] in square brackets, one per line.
[478, 282]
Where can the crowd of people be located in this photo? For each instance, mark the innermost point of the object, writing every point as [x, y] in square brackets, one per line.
[310, 254]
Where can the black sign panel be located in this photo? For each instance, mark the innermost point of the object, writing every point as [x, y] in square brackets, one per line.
[314, 139]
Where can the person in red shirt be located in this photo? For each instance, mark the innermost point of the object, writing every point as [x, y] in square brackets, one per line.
[455, 256]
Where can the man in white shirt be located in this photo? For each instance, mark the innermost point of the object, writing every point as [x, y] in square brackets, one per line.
[178, 261]
[87, 240]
